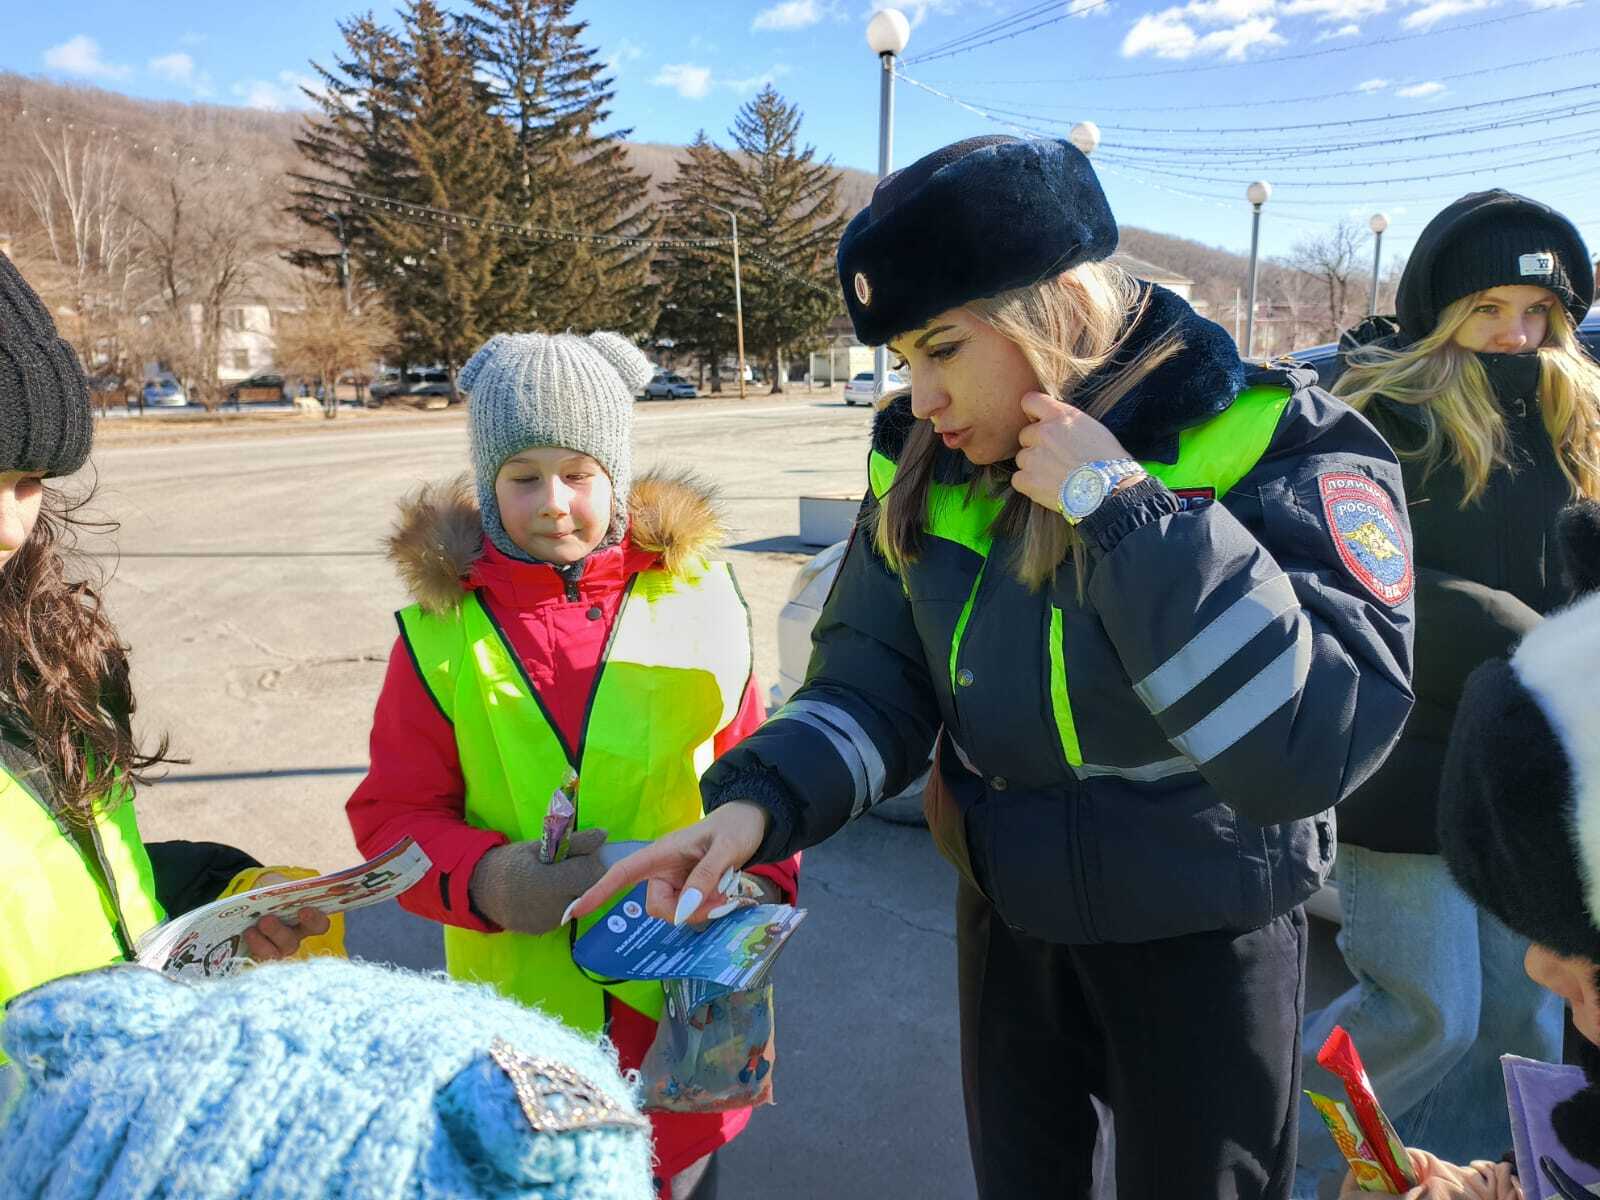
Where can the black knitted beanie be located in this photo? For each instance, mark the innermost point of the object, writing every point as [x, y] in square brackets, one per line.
[45, 422]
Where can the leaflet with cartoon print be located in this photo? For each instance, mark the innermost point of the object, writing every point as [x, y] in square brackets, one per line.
[735, 951]
[209, 941]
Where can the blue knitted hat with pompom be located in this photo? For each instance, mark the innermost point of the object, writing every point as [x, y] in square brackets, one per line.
[324, 1079]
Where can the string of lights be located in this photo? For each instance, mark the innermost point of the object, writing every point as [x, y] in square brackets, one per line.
[1072, 10]
[1343, 94]
[983, 31]
[1390, 40]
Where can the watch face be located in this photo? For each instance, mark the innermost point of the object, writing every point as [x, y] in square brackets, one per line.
[1083, 492]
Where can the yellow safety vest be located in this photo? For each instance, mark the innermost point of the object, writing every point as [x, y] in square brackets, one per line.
[1212, 457]
[61, 909]
[674, 674]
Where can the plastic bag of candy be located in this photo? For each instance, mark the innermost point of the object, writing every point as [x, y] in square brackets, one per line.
[713, 1050]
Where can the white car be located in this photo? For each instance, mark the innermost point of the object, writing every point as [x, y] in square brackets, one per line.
[862, 389]
[807, 594]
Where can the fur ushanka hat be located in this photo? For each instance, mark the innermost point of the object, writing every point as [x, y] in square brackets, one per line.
[972, 220]
[1519, 801]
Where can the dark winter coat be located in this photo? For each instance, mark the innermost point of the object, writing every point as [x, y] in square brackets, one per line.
[1486, 574]
[1273, 679]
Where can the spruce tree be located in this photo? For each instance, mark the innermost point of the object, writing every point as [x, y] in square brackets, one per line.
[449, 281]
[789, 228]
[565, 173]
[697, 308]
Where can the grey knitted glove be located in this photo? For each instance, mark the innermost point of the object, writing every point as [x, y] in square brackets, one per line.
[512, 888]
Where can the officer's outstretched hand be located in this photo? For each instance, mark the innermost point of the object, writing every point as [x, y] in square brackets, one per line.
[690, 870]
[1057, 440]
[1446, 1181]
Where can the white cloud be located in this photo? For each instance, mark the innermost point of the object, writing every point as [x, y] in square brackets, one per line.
[625, 51]
[1432, 13]
[688, 80]
[1418, 91]
[1170, 34]
[282, 92]
[1331, 12]
[1372, 85]
[755, 82]
[178, 67]
[1343, 31]
[789, 15]
[1095, 8]
[81, 56]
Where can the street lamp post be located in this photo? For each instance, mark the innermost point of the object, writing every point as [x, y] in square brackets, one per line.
[887, 34]
[1257, 193]
[738, 295]
[1377, 224]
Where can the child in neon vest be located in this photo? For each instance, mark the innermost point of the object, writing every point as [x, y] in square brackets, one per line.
[567, 617]
[78, 885]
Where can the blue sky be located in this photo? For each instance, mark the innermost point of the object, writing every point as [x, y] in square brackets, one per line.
[1193, 99]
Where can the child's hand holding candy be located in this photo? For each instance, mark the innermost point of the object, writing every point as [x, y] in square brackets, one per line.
[1446, 1181]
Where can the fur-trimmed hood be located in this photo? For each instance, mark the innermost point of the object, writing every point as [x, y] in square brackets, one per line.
[438, 536]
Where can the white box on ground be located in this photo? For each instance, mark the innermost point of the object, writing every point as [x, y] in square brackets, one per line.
[825, 520]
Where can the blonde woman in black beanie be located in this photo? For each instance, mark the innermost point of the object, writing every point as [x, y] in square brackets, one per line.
[78, 885]
[1494, 409]
[1153, 608]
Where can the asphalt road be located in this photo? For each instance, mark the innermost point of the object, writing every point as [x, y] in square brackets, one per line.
[248, 577]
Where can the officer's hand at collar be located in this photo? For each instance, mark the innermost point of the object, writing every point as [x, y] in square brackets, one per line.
[1057, 440]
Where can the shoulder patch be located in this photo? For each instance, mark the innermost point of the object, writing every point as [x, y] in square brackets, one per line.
[1366, 532]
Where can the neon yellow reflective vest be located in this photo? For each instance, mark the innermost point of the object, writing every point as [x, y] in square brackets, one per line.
[1212, 457]
[71, 898]
[674, 674]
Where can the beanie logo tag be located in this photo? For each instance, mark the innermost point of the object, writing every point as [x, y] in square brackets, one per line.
[1542, 263]
[557, 1099]
[863, 289]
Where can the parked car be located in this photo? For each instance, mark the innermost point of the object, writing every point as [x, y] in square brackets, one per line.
[415, 385]
[863, 389]
[668, 385]
[259, 389]
[164, 391]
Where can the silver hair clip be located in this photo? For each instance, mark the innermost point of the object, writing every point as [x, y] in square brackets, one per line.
[557, 1099]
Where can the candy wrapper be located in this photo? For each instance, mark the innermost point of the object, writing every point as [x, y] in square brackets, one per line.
[1352, 1143]
[1338, 1055]
[558, 818]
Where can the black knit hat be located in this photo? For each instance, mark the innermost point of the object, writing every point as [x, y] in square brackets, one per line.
[972, 220]
[45, 422]
[1519, 801]
[1492, 239]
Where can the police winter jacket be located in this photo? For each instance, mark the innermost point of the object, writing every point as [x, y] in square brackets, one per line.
[1159, 757]
[1486, 574]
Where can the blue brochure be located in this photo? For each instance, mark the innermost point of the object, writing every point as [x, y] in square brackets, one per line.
[735, 951]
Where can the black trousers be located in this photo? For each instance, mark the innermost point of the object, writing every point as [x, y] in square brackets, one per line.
[1193, 1043]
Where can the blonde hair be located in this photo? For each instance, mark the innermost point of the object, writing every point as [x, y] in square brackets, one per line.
[1461, 418]
[1067, 327]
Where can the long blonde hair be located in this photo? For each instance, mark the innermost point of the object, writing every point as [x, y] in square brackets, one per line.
[1462, 421]
[1068, 327]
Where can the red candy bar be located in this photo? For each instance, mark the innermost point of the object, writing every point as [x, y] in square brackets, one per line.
[1338, 1055]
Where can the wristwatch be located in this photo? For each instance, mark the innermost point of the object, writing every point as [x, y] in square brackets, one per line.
[1086, 488]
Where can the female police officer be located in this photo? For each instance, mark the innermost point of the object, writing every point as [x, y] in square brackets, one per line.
[1155, 609]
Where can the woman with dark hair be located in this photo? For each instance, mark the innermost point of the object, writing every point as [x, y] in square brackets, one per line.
[1154, 607]
[78, 886]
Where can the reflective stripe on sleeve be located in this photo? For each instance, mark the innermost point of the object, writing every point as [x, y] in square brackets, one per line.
[857, 751]
[1214, 645]
[1148, 773]
[1276, 684]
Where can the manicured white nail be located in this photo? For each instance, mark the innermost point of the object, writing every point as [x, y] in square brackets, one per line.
[723, 910]
[727, 879]
[567, 916]
[687, 903]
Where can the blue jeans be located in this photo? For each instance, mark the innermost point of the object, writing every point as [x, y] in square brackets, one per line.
[1440, 995]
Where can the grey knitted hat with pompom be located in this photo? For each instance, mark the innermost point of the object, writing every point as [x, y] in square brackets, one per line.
[558, 389]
